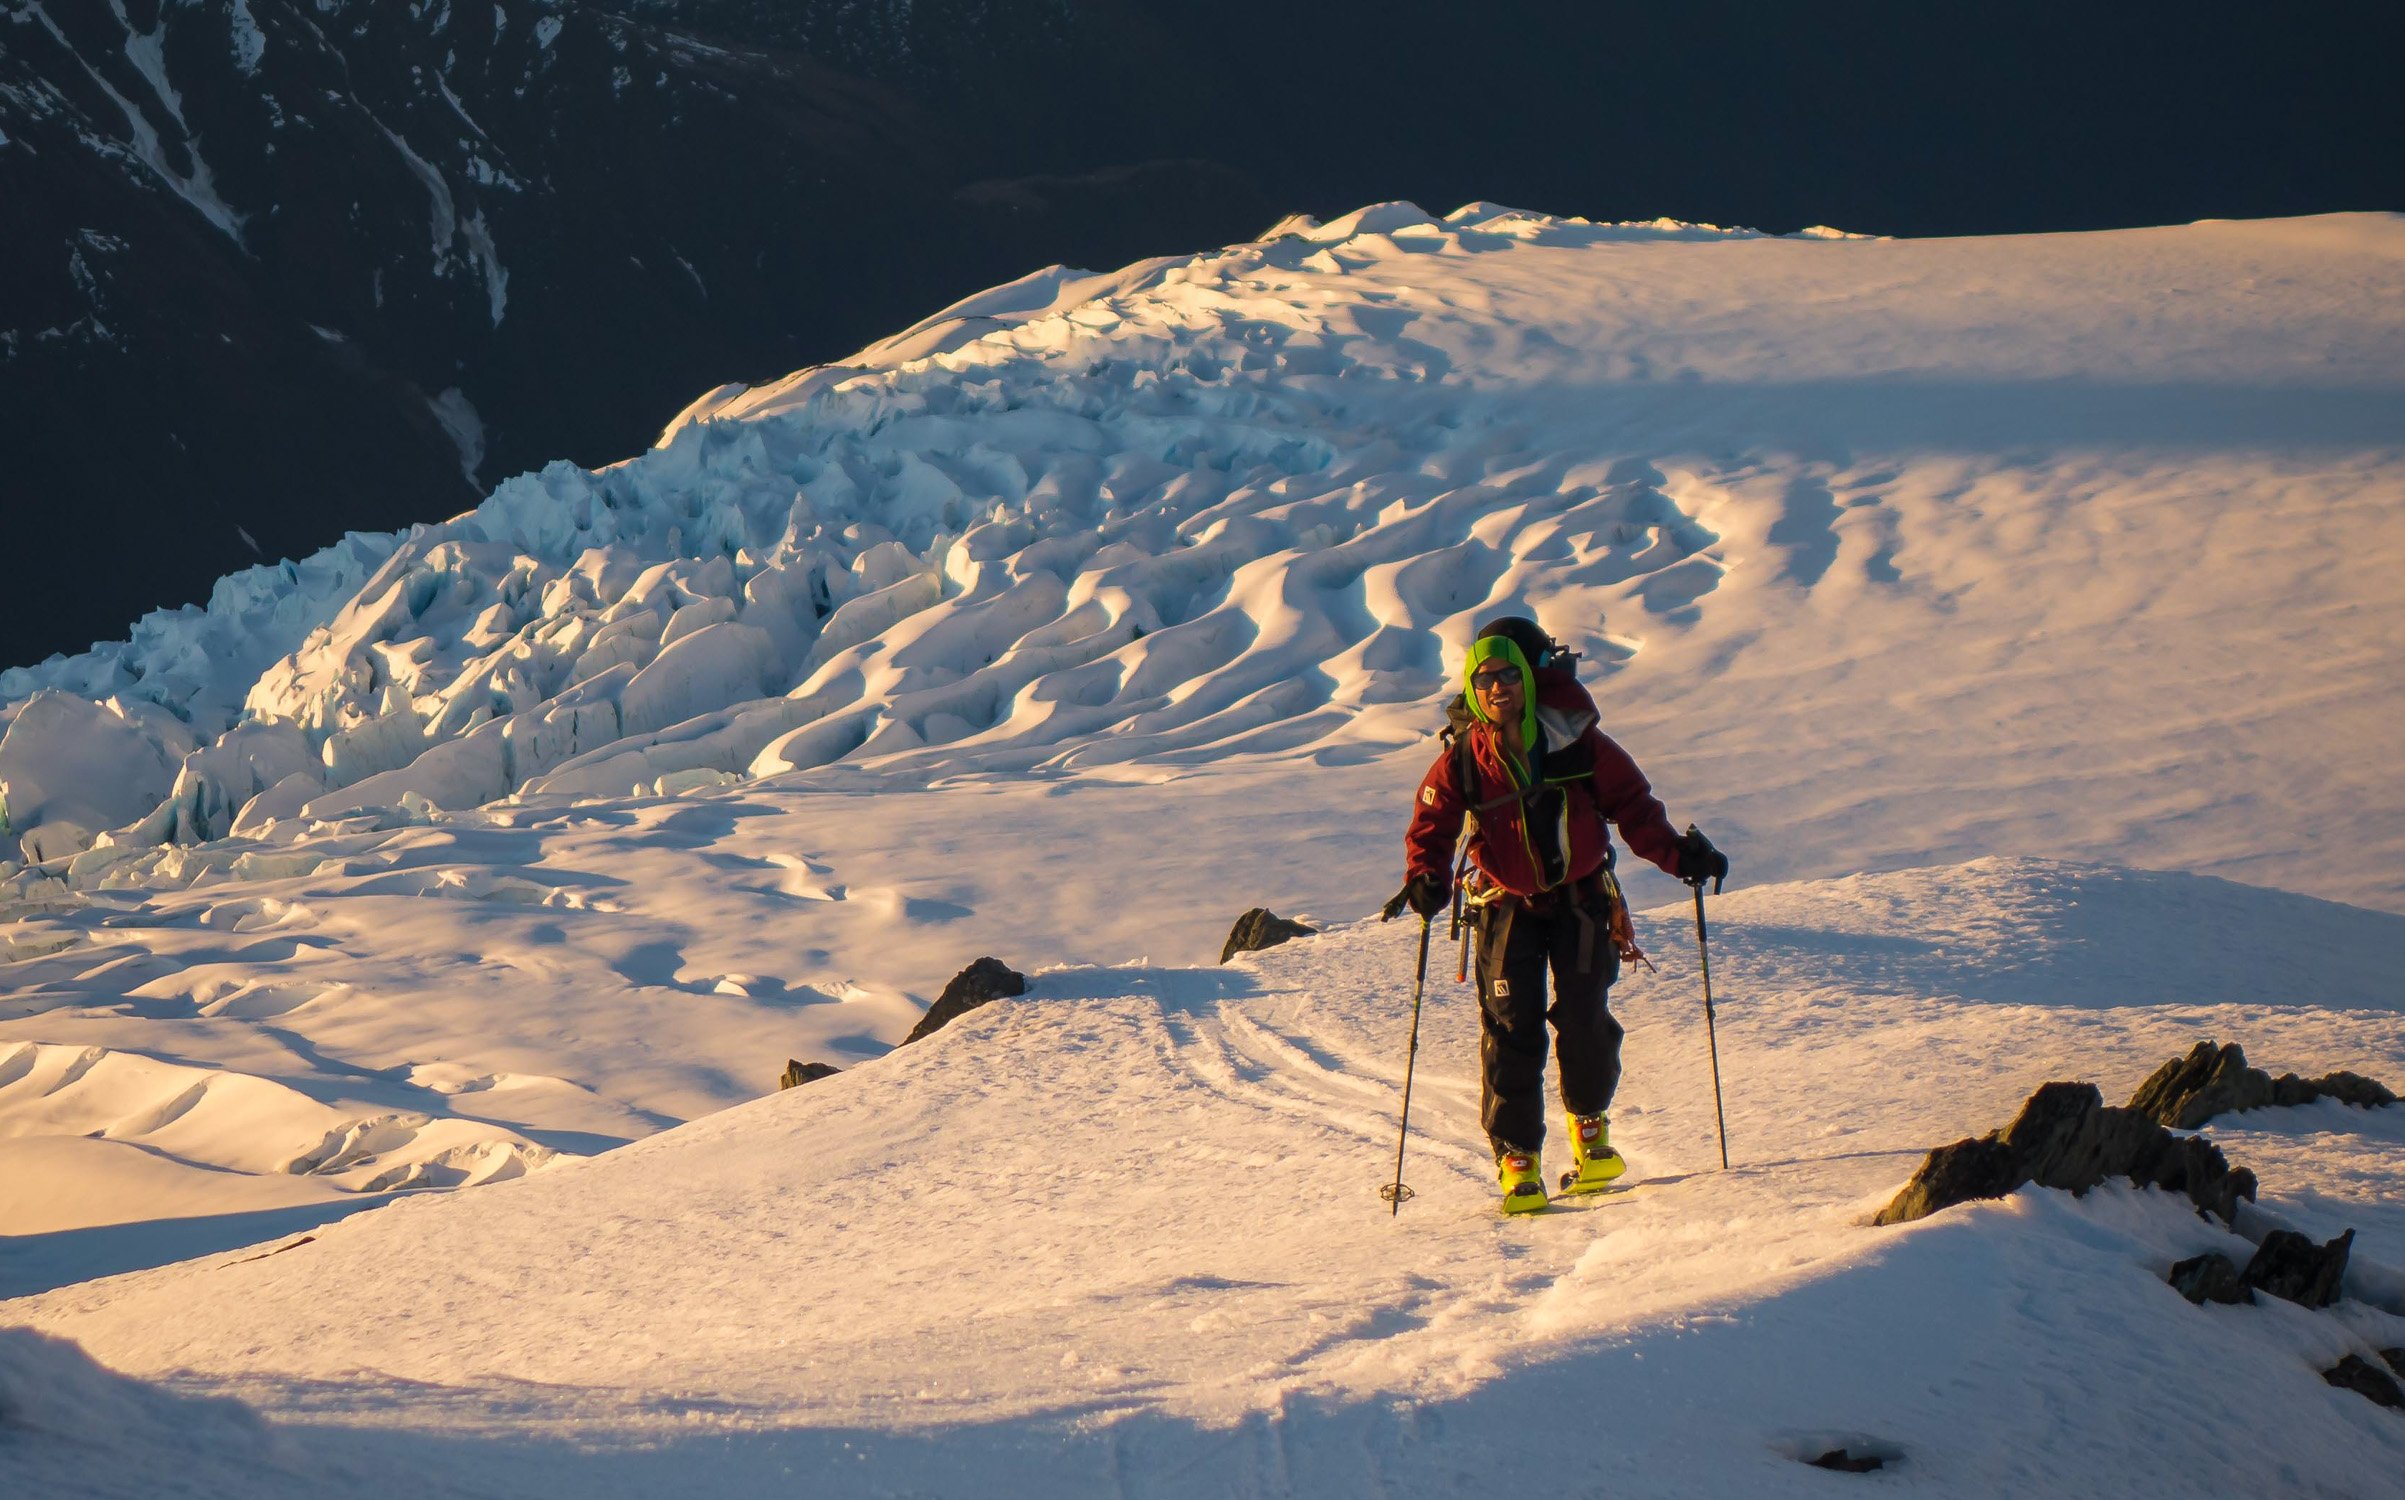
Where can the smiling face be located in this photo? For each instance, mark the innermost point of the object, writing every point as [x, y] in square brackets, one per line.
[1497, 682]
[1500, 693]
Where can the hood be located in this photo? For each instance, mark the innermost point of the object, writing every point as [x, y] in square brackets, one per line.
[1501, 648]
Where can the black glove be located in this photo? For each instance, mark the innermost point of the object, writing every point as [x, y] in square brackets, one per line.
[1425, 894]
[1698, 861]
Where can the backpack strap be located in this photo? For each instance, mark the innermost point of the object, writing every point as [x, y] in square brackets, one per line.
[1465, 775]
[1467, 779]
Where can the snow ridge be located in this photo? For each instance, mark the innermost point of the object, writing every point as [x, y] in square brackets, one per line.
[1070, 483]
[1139, 1329]
[1239, 504]
[1097, 607]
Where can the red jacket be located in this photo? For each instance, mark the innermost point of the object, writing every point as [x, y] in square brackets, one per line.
[1585, 783]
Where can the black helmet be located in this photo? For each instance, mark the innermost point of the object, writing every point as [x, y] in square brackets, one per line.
[1536, 647]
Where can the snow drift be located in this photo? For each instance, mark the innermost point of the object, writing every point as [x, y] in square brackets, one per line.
[1086, 613]
[2070, 544]
[1123, 1233]
[1098, 606]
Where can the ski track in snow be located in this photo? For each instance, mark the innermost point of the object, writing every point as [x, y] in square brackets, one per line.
[1131, 1219]
[1881, 553]
[1073, 620]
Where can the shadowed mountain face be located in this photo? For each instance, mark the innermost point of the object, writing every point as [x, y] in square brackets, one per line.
[280, 269]
[274, 270]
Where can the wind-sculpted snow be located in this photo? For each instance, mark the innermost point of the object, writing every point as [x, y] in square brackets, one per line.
[1199, 508]
[1241, 504]
[1093, 609]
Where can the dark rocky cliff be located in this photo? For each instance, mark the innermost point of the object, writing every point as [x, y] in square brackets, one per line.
[278, 269]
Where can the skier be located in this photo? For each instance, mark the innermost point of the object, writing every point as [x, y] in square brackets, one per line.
[1540, 783]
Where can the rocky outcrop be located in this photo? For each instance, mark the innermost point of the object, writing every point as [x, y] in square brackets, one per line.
[2210, 1278]
[2067, 1137]
[2286, 1265]
[986, 980]
[2360, 1375]
[2290, 1266]
[1261, 928]
[2215, 1080]
[798, 1073]
[1967, 1170]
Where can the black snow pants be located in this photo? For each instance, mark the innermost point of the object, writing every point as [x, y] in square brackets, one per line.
[1569, 932]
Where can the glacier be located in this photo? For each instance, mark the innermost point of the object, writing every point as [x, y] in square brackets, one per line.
[396, 951]
[1234, 503]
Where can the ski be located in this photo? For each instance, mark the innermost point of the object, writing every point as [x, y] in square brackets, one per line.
[1592, 1198]
[1595, 1197]
[1568, 1186]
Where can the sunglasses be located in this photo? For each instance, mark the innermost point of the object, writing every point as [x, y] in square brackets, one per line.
[1487, 679]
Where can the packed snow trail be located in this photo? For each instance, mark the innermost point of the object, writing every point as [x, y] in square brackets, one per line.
[1122, 1235]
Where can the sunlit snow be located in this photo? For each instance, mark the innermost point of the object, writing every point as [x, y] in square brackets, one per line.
[2049, 580]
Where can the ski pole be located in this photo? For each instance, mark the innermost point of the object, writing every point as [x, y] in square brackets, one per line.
[1396, 1192]
[1461, 924]
[1703, 955]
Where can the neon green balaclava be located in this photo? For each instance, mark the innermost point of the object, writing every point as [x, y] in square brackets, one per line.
[1499, 647]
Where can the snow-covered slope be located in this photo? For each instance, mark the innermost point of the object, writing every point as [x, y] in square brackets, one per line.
[1086, 613]
[1123, 1235]
[2069, 544]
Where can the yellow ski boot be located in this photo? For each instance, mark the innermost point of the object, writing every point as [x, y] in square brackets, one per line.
[1523, 1181]
[1594, 1163]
